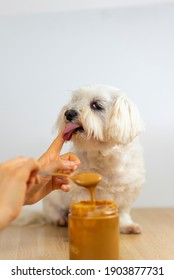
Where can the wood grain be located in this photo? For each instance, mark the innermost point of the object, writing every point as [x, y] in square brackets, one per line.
[50, 243]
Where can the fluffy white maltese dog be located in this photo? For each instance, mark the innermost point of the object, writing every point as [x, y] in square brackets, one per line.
[103, 126]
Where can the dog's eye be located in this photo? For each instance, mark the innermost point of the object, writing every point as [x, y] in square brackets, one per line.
[95, 105]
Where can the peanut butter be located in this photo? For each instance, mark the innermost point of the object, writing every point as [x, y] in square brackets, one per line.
[88, 180]
[93, 226]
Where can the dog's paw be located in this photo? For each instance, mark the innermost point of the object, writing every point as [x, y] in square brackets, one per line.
[57, 218]
[131, 228]
[61, 222]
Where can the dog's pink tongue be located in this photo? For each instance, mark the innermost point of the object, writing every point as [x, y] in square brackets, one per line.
[68, 131]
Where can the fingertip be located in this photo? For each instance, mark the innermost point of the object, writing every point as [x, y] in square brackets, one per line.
[68, 164]
[65, 188]
[75, 167]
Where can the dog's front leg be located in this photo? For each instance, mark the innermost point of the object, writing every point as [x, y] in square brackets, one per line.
[127, 225]
[56, 208]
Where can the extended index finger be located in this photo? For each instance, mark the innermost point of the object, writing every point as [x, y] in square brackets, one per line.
[57, 144]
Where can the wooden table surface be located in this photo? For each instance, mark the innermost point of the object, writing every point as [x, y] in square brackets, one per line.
[50, 243]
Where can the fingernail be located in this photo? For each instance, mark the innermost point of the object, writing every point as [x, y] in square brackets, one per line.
[69, 164]
[66, 188]
[75, 167]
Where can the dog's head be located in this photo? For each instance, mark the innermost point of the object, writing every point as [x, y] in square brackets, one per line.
[99, 116]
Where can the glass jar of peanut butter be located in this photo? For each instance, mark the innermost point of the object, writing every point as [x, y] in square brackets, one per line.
[93, 231]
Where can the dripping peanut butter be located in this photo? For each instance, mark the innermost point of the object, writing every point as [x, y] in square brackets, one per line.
[93, 227]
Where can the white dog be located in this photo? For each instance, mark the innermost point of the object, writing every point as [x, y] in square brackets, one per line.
[102, 124]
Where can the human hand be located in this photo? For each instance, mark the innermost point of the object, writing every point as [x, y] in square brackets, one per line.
[52, 161]
[16, 176]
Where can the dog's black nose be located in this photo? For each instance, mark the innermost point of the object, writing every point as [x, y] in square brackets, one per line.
[71, 114]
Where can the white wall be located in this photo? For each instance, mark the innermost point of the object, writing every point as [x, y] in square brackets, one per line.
[43, 57]
[17, 7]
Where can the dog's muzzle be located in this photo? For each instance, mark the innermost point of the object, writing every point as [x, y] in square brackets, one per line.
[71, 115]
[72, 126]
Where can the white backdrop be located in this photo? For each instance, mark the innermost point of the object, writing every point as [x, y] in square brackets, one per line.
[44, 56]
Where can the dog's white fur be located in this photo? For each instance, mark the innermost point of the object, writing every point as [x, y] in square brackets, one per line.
[109, 146]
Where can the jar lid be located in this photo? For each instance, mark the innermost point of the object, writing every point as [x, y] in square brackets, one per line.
[99, 208]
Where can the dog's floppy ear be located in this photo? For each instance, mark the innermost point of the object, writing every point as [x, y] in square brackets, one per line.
[125, 122]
